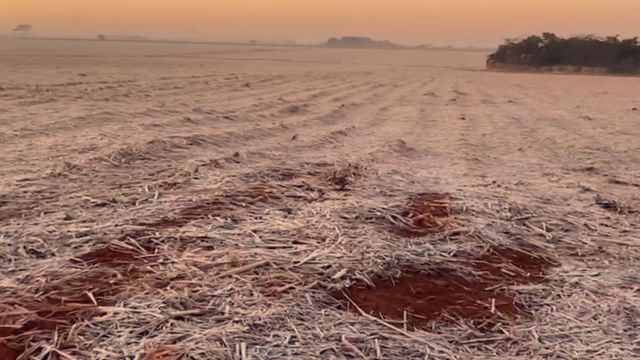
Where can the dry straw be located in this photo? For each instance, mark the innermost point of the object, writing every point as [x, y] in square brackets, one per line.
[242, 265]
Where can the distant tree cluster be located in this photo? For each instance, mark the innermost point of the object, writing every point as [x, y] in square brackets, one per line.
[361, 42]
[22, 29]
[612, 53]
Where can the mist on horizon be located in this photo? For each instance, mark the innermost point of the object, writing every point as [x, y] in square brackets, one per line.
[411, 22]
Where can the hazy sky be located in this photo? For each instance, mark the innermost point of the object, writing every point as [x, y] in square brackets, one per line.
[459, 22]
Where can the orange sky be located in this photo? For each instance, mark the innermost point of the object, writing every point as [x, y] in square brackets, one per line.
[459, 22]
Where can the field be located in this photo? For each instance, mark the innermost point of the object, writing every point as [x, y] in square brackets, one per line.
[175, 201]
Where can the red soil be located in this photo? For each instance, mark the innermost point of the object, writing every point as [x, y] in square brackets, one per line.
[9, 352]
[70, 300]
[425, 214]
[41, 317]
[44, 316]
[114, 256]
[444, 296]
[67, 301]
[431, 296]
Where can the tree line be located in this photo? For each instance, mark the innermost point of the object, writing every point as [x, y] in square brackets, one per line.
[613, 53]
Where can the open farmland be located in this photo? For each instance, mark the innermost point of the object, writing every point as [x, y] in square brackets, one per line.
[174, 201]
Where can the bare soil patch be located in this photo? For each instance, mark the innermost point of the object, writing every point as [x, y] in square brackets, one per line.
[9, 352]
[419, 297]
[114, 255]
[24, 320]
[76, 298]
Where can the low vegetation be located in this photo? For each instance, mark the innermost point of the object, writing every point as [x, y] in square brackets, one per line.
[611, 54]
[361, 42]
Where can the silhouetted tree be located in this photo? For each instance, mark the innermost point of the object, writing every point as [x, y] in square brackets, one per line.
[23, 29]
[612, 53]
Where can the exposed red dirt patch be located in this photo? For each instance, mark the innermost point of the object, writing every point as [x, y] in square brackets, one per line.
[64, 302]
[72, 299]
[444, 295]
[426, 297]
[114, 256]
[424, 214]
[8, 352]
[29, 318]
[32, 315]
